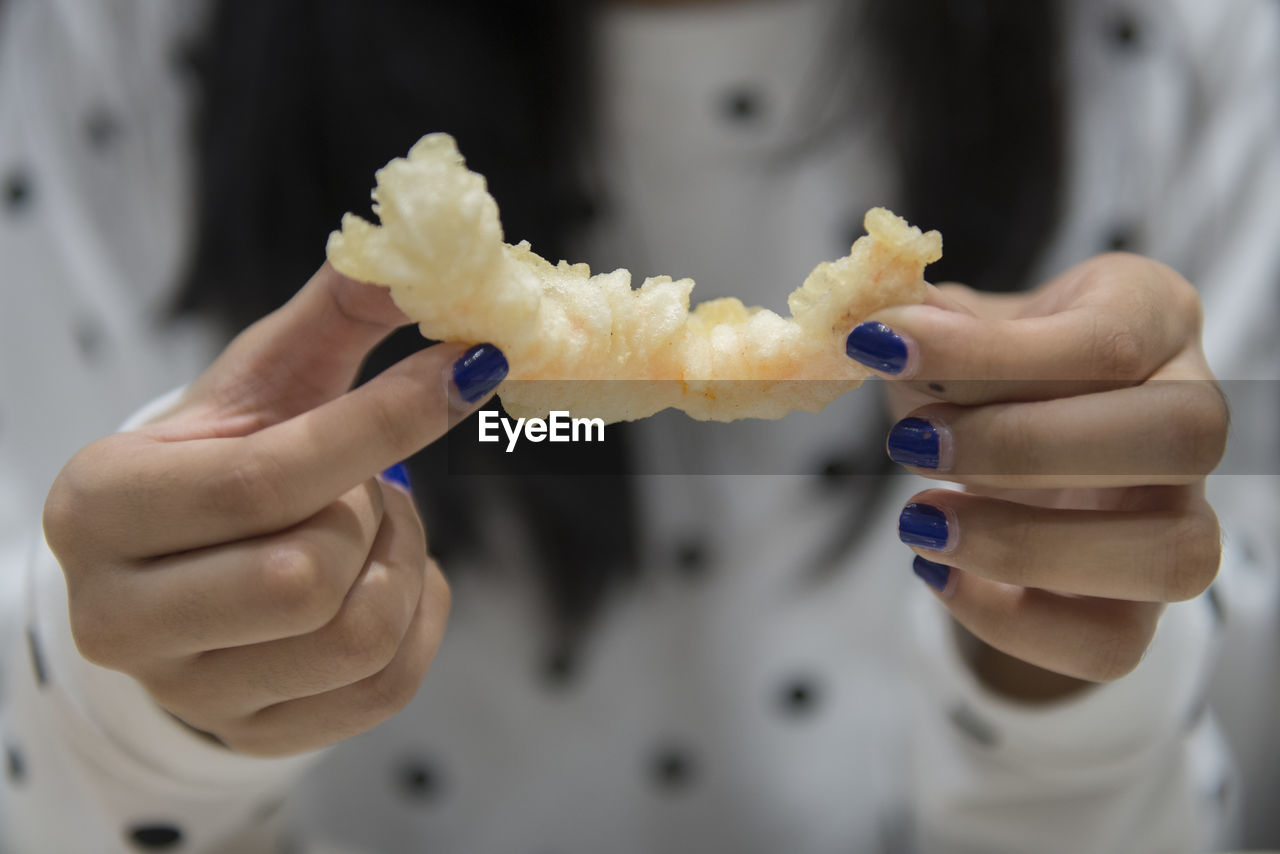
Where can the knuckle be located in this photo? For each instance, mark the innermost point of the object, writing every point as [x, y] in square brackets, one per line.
[1200, 423]
[1193, 555]
[1119, 353]
[251, 739]
[438, 591]
[191, 699]
[365, 642]
[69, 507]
[1185, 299]
[296, 587]
[98, 637]
[391, 690]
[1122, 650]
[1113, 663]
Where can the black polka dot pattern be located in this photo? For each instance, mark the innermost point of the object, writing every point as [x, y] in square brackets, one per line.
[559, 667]
[692, 558]
[672, 768]
[1124, 31]
[968, 722]
[14, 765]
[90, 338]
[1121, 238]
[742, 105]
[836, 470]
[185, 59]
[584, 209]
[1198, 710]
[155, 837]
[37, 657]
[799, 696]
[269, 810]
[1216, 605]
[419, 780]
[18, 191]
[101, 128]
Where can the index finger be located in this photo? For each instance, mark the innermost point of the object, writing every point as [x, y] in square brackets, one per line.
[1106, 324]
[172, 496]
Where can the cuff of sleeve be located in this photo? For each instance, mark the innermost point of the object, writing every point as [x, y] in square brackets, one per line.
[1106, 725]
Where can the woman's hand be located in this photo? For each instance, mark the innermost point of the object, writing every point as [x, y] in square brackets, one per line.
[238, 555]
[1082, 418]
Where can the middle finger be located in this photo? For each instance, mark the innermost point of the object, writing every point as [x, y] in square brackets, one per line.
[1162, 432]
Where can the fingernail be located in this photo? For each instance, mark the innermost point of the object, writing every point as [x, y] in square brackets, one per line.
[399, 475]
[878, 347]
[915, 442]
[936, 575]
[479, 371]
[923, 525]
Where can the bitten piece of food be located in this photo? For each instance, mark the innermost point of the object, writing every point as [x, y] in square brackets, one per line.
[595, 346]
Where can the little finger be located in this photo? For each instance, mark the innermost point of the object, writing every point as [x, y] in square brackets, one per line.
[311, 722]
[1164, 554]
[1098, 640]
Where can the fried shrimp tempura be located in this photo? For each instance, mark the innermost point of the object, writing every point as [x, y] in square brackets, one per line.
[564, 331]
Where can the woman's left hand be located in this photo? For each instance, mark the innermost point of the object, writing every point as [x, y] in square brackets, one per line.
[1082, 418]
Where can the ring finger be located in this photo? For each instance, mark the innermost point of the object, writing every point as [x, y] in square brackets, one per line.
[1162, 553]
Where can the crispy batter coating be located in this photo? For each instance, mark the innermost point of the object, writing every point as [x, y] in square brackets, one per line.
[566, 332]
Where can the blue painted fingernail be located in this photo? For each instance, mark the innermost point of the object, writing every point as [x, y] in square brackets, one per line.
[914, 442]
[878, 347]
[936, 575]
[399, 475]
[923, 525]
[479, 371]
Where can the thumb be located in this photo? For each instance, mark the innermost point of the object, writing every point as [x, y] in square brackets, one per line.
[303, 354]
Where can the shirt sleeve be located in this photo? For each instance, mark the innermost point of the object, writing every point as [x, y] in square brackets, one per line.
[92, 763]
[1132, 766]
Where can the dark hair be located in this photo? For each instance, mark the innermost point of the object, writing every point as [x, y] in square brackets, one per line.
[303, 99]
[978, 125]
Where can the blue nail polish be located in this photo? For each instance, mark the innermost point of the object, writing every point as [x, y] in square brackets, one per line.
[923, 525]
[936, 575]
[479, 371]
[878, 347]
[914, 442]
[399, 475]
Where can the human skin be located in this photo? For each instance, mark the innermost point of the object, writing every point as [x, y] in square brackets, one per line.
[1002, 628]
[241, 560]
[239, 556]
[1082, 419]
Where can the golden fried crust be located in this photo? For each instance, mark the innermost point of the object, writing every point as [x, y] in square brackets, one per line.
[440, 250]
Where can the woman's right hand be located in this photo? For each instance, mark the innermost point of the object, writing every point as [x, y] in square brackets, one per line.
[240, 557]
